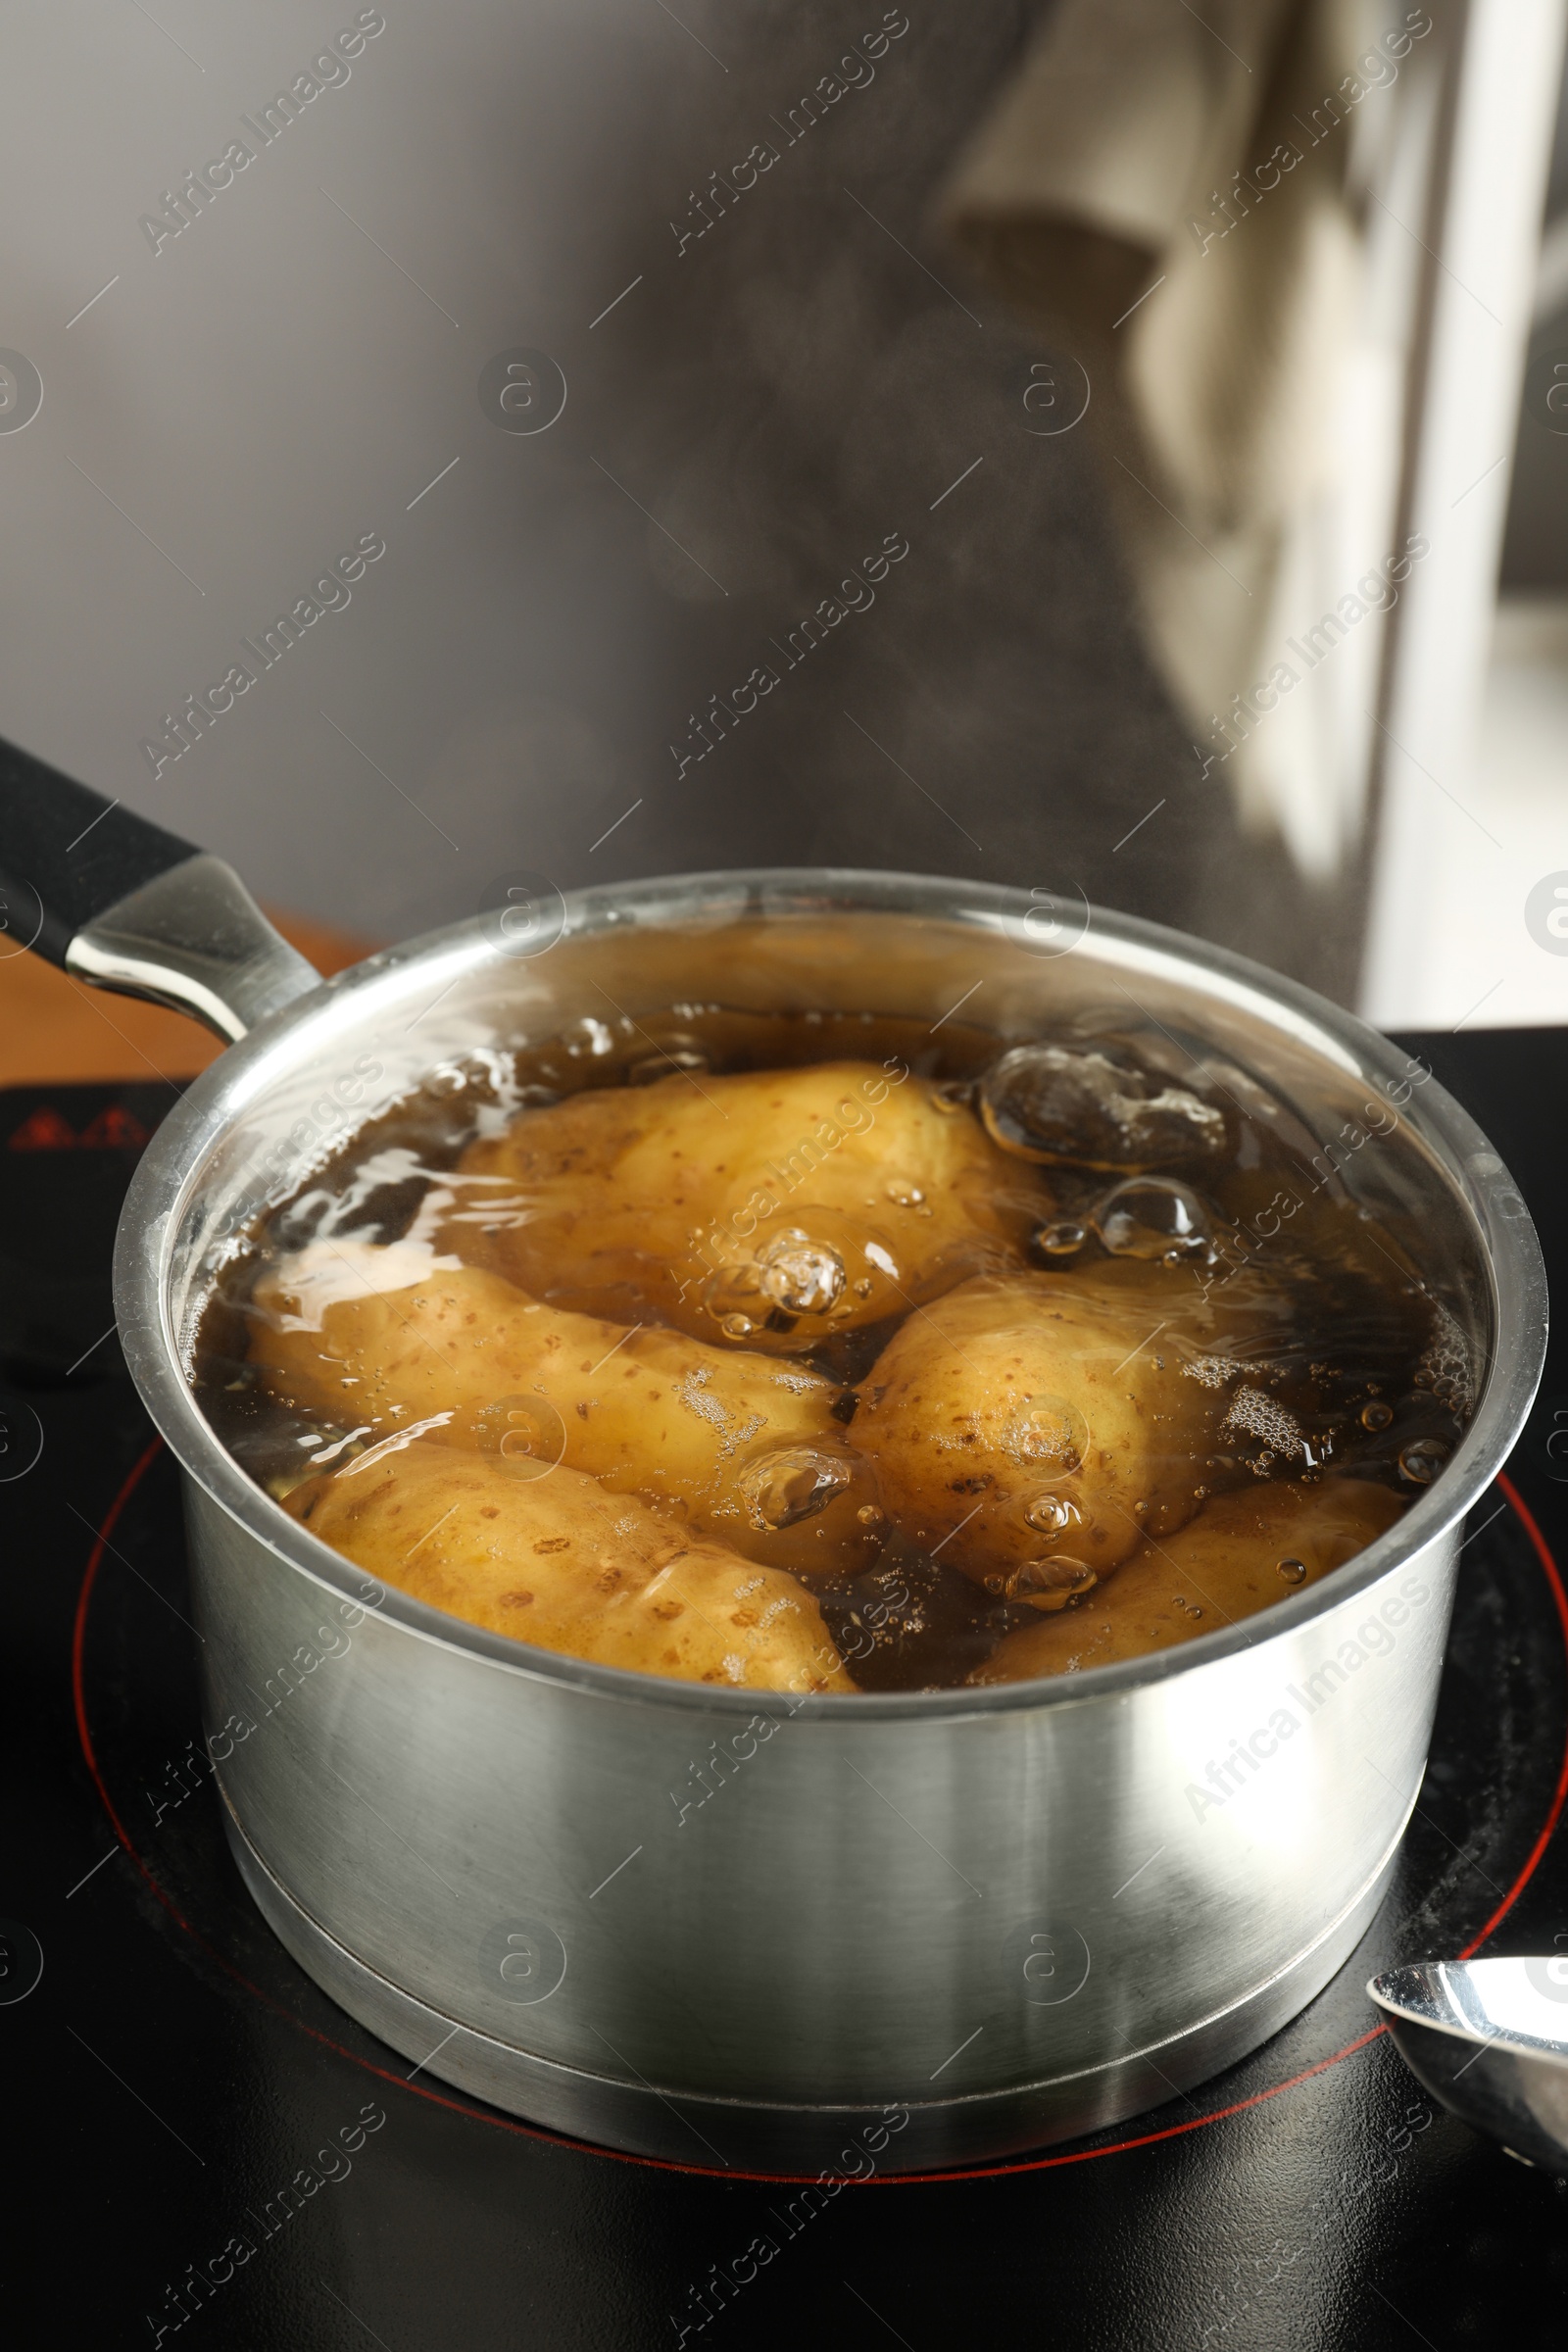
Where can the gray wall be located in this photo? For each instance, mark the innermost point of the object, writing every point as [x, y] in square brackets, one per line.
[778, 395]
[1535, 553]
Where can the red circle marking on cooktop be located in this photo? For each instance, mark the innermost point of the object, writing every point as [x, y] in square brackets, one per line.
[582, 2147]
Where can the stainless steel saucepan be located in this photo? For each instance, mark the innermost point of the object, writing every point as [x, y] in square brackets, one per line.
[748, 1929]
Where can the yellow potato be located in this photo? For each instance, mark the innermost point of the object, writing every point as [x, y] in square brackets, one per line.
[558, 1562]
[772, 1207]
[1222, 1566]
[740, 1444]
[1048, 1416]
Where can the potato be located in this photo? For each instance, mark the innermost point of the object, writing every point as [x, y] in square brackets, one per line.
[743, 1445]
[1046, 1416]
[1222, 1566]
[771, 1206]
[558, 1562]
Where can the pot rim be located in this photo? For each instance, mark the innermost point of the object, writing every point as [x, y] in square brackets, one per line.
[1504, 1234]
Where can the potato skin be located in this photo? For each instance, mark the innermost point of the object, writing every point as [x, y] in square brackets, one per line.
[1031, 1386]
[558, 1562]
[1221, 1567]
[665, 1202]
[648, 1412]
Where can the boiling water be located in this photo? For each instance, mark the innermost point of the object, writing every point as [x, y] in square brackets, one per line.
[1138, 1154]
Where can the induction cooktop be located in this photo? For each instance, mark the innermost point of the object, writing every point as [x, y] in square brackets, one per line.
[206, 2149]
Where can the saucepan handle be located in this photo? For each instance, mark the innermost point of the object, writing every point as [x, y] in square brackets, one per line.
[123, 905]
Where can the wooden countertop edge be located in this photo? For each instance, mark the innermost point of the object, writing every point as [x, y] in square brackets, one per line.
[54, 1031]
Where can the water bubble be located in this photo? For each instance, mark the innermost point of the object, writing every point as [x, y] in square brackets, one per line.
[1293, 1571]
[905, 1194]
[1049, 1429]
[1152, 1217]
[1377, 1414]
[1063, 1238]
[1095, 1107]
[784, 1488]
[799, 1275]
[1050, 1514]
[735, 1291]
[1052, 1584]
[870, 1515]
[737, 1326]
[1446, 1367]
[1253, 1414]
[1422, 1459]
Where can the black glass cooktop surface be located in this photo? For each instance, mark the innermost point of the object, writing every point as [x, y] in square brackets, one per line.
[204, 2148]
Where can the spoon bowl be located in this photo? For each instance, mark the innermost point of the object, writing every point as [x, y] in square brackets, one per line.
[1488, 2039]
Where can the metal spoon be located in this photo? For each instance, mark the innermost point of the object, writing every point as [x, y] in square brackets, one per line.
[1490, 2040]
